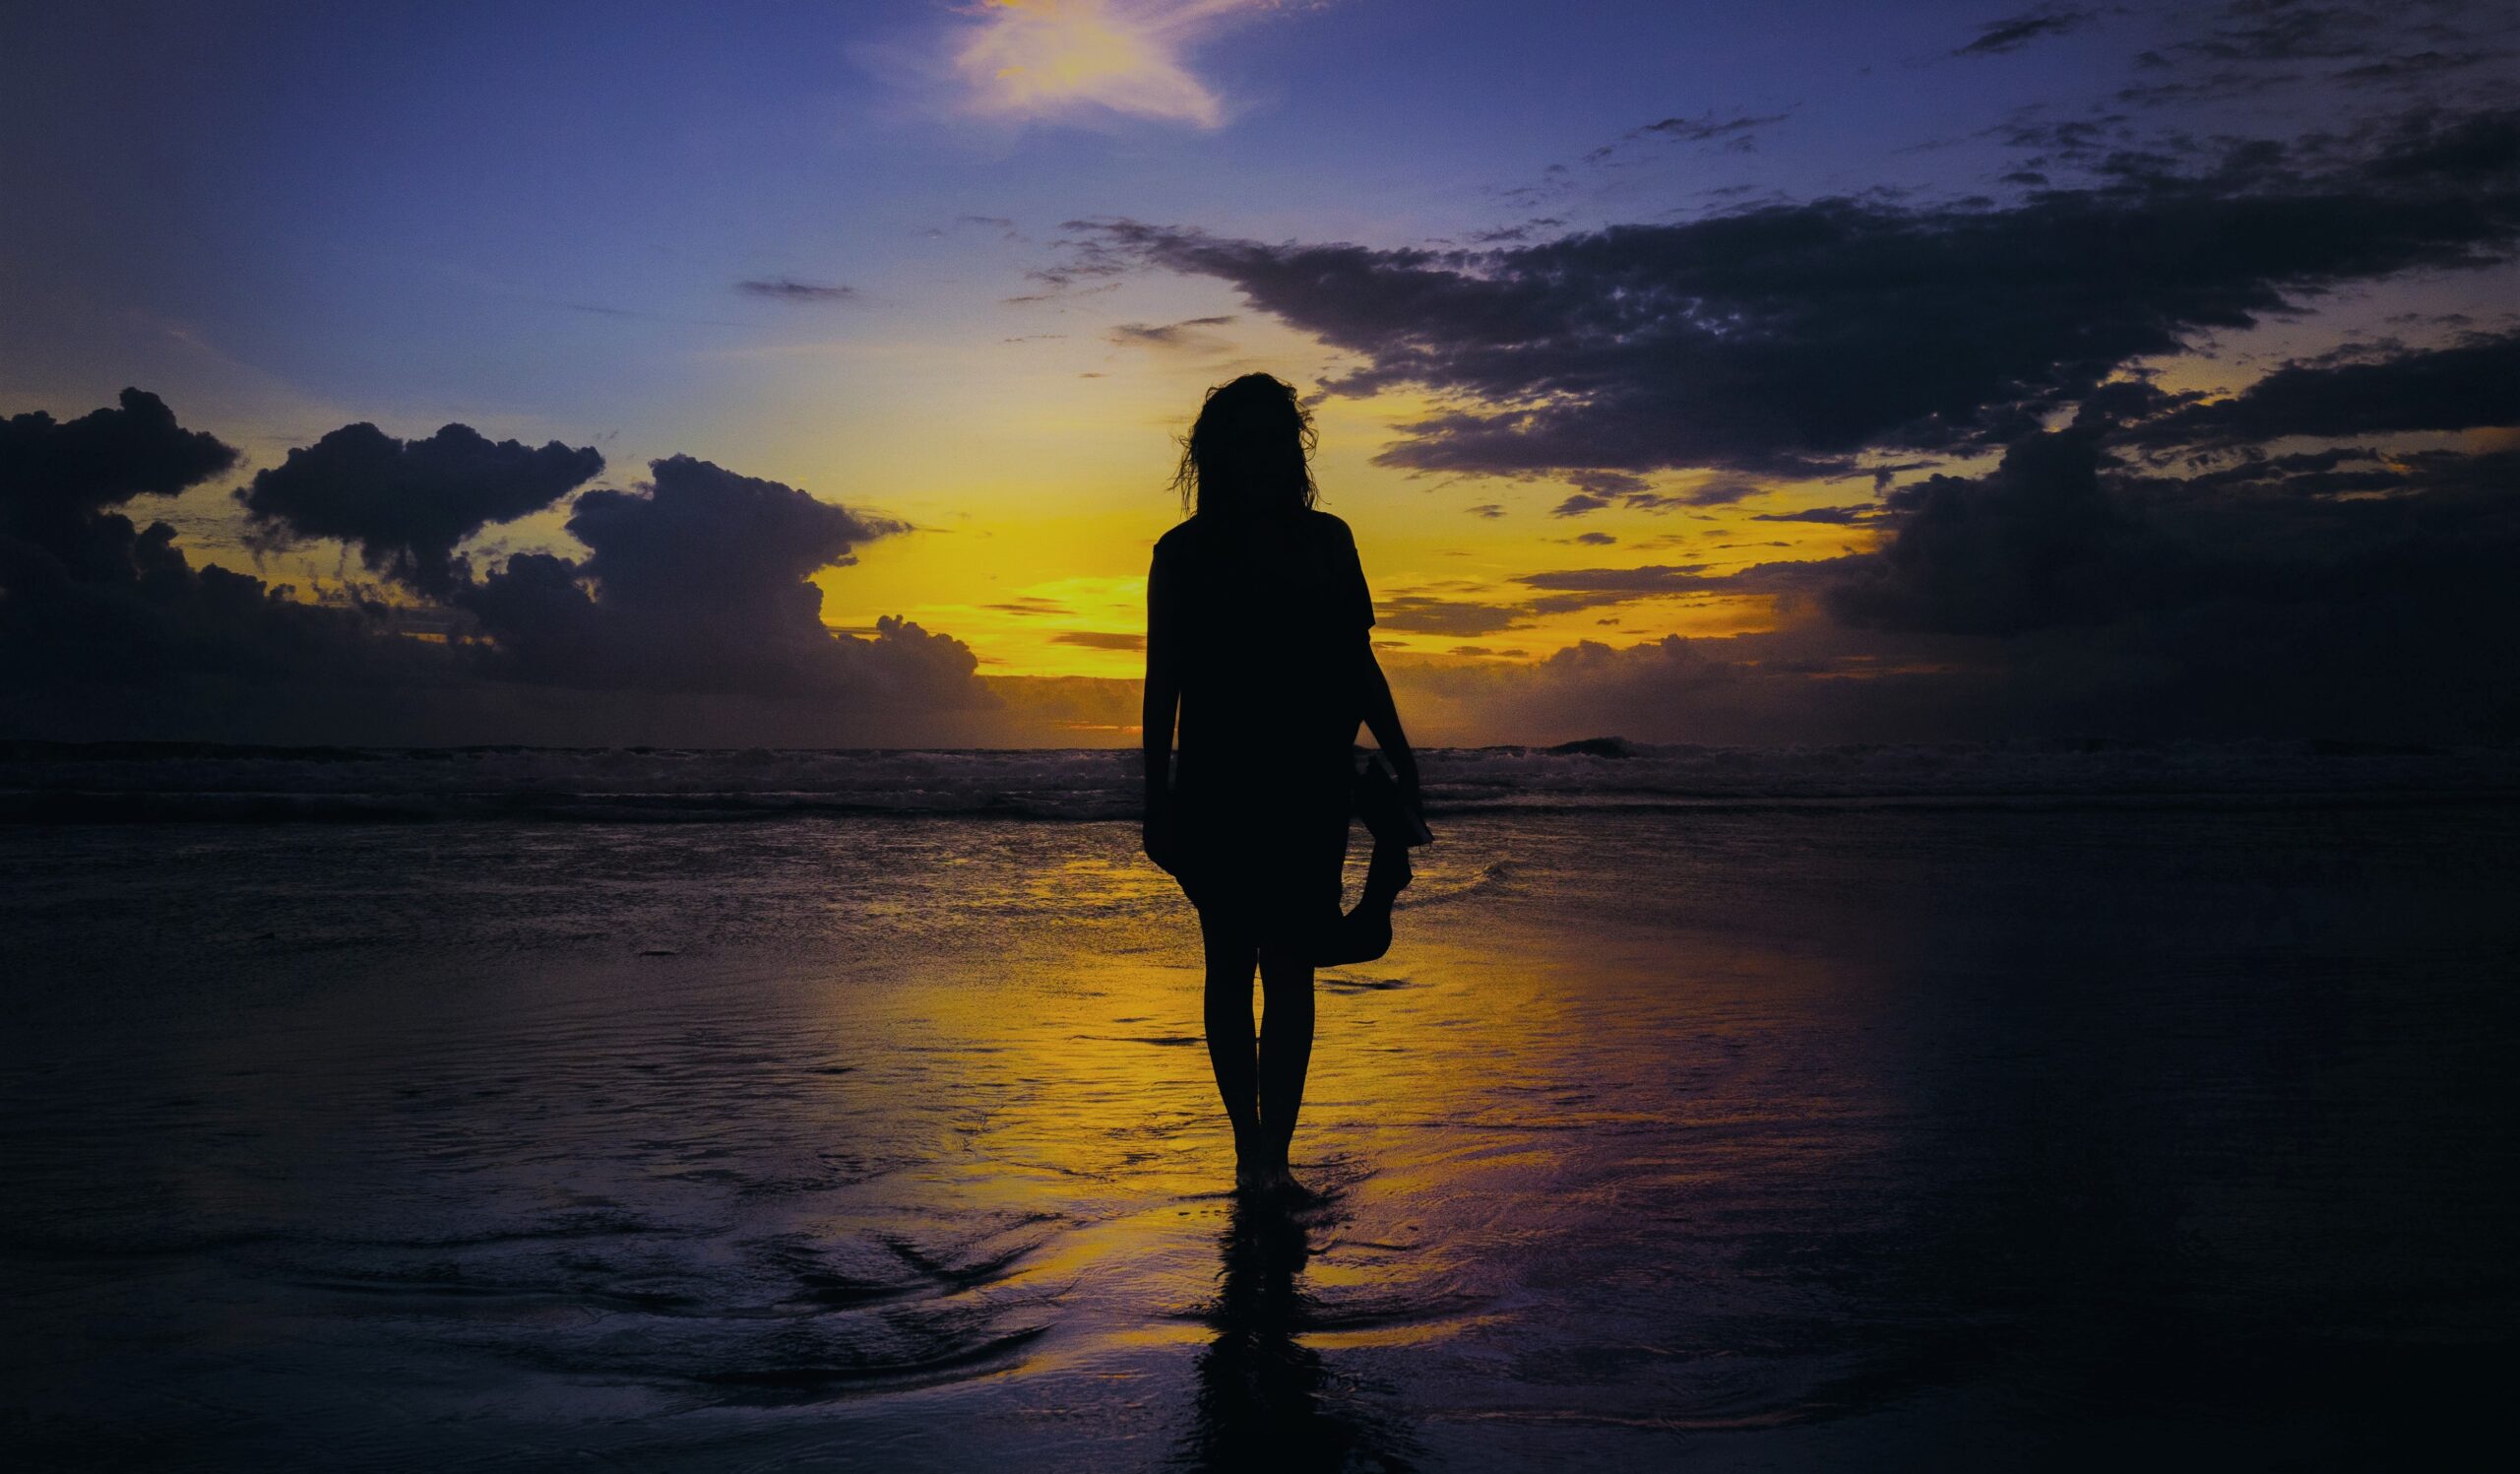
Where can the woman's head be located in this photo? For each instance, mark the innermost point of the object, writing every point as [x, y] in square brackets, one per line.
[1247, 454]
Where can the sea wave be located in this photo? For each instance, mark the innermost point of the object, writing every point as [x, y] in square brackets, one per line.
[165, 782]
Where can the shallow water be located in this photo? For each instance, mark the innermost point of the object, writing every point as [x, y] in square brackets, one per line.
[1834, 1138]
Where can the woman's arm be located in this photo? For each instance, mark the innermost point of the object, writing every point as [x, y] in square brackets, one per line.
[1382, 719]
[1163, 700]
[1156, 718]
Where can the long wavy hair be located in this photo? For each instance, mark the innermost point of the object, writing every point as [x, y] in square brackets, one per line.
[1249, 453]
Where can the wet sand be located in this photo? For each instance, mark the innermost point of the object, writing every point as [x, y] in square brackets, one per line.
[1911, 1138]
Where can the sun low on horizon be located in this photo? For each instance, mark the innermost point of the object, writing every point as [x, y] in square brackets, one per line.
[1778, 375]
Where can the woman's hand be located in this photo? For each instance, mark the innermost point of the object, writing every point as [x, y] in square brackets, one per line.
[1158, 836]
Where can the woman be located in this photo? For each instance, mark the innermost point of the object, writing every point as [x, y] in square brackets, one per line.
[1257, 615]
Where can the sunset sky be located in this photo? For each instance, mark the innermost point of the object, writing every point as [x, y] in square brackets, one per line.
[1932, 370]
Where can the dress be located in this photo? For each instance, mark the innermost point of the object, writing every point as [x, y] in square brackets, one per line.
[1265, 628]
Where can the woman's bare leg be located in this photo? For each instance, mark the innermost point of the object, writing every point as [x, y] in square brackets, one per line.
[1229, 961]
[1286, 1050]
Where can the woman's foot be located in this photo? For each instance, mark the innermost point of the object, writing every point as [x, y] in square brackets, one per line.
[1252, 1160]
[1364, 933]
[1279, 1184]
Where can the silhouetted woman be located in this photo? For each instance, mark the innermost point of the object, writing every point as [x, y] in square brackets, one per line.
[1257, 615]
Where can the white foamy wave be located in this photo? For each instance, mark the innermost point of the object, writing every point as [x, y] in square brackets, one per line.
[181, 782]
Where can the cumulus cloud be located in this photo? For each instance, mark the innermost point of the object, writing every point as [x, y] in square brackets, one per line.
[404, 504]
[692, 617]
[1051, 59]
[88, 599]
[101, 459]
[2034, 543]
[701, 581]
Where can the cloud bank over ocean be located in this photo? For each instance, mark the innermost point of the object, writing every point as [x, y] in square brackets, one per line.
[692, 617]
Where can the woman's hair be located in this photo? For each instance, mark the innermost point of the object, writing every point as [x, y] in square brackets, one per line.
[1247, 454]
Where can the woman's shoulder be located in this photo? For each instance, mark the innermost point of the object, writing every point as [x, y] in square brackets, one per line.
[1180, 537]
[1327, 526]
[1196, 536]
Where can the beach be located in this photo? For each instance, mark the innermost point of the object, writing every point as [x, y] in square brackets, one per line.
[1772, 1127]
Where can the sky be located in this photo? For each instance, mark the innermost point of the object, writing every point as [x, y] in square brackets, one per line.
[809, 374]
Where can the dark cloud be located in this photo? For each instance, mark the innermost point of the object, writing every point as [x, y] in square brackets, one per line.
[2437, 51]
[1593, 540]
[2276, 31]
[1523, 231]
[1650, 579]
[2466, 386]
[2326, 472]
[404, 504]
[1182, 333]
[2016, 31]
[1100, 639]
[2219, 85]
[1785, 338]
[692, 619]
[1608, 488]
[701, 581]
[1736, 131]
[999, 225]
[1719, 491]
[1487, 509]
[1833, 516]
[2349, 591]
[2416, 69]
[2061, 536]
[1608, 483]
[1566, 590]
[2064, 594]
[2032, 542]
[789, 289]
[101, 459]
[90, 601]
[1433, 614]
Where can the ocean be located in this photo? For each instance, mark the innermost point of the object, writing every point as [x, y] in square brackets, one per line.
[2023, 1106]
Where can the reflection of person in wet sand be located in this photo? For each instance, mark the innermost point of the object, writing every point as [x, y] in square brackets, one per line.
[1257, 620]
[1261, 1402]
